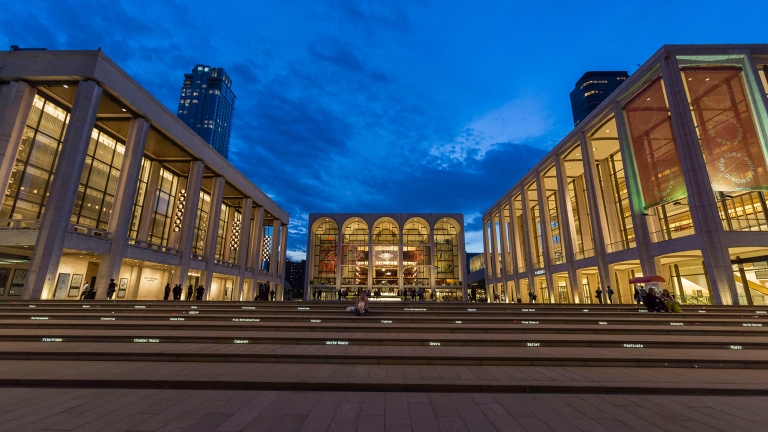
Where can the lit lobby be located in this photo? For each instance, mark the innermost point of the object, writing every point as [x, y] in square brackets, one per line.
[103, 182]
[667, 177]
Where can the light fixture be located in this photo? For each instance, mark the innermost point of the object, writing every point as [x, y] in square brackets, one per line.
[66, 86]
[706, 79]
[123, 109]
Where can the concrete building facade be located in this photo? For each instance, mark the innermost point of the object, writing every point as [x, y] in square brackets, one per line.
[102, 182]
[665, 177]
[391, 253]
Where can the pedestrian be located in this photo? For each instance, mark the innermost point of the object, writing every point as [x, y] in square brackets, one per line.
[533, 296]
[609, 291]
[473, 294]
[177, 290]
[167, 291]
[200, 291]
[599, 295]
[84, 292]
[341, 294]
[638, 298]
[272, 294]
[111, 289]
[643, 293]
[420, 294]
[190, 289]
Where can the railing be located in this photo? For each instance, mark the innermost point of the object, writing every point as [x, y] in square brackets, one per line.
[586, 253]
[226, 263]
[143, 244]
[353, 281]
[318, 281]
[249, 269]
[197, 257]
[417, 282]
[88, 232]
[620, 245]
[538, 265]
[19, 224]
[557, 260]
[672, 233]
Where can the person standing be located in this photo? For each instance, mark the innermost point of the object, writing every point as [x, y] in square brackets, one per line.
[111, 289]
[272, 294]
[609, 291]
[84, 291]
[532, 295]
[473, 293]
[200, 291]
[643, 293]
[599, 295]
[167, 291]
[177, 290]
[190, 290]
[420, 294]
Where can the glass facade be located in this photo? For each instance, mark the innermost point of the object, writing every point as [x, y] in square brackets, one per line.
[386, 253]
[354, 253]
[162, 216]
[201, 223]
[138, 201]
[417, 253]
[446, 253]
[221, 231]
[326, 236]
[35, 162]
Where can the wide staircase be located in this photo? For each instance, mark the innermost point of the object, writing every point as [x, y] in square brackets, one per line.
[399, 346]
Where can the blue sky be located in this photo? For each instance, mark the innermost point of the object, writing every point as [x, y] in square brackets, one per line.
[384, 106]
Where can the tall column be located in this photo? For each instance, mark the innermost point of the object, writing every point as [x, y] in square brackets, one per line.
[489, 264]
[135, 283]
[495, 249]
[506, 267]
[258, 240]
[273, 253]
[701, 199]
[148, 206]
[635, 195]
[54, 225]
[584, 219]
[567, 229]
[120, 219]
[527, 237]
[226, 249]
[243, 246]
[546, 236]
[463, 262]
[217, 194]
[281, 262]
[433, 267]
[15, 104]
[189, 222]
[607, 190]
[401, 254]
[597, 215]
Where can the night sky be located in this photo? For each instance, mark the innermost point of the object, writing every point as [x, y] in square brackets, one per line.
[384, 106]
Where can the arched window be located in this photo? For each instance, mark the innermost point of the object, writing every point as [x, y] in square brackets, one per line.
[386, 252]
[324, 252]
[354, 252]
[447, 265]
[417, 262]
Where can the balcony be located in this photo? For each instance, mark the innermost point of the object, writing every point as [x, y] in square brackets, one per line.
[586, 253]
[20, 224]
[197, 257]
[143, 244]
[557, 260]
[672, 233]
[424, 282]
[88, 232]
[226, 263]
[620, 245]
[319, 281]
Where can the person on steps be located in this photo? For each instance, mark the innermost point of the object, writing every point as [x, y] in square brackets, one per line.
[84, 291]
[190, 290]
[654, 303]
[111, 289]
[609, 291]
[167, 291]
[200, 291]
[670, 302]
[177, 290]
[599, 295]
[361, 304]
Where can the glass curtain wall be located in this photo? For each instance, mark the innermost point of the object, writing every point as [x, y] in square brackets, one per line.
[551, 192]
[98, 181]
[234, 245]
[417, 262]
[522, 256]
[536, 228]
[162, 217]
[221, 231]
[138, 200]
[35, 162]
[447, 270]
[507, 244]
[497, 242]
[583, 245]
[354, 253]
[324, 253]
[201, 223]
[386, 254]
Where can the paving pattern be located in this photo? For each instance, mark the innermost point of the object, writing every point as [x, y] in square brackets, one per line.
[140, 366]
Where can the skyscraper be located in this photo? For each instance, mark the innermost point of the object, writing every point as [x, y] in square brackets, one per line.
[207, 105]
[592, 89]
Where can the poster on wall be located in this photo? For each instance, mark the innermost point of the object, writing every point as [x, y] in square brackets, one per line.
[17, 283]
[74, 285]
[5, 273]
[727, 131]
[653, 144]
[62, 284]
[122, 288]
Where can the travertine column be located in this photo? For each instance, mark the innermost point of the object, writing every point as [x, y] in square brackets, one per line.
[506, 267]
[546, 235]
[243, 246]
[597, 214]
[567, 229]
[120, 219]
[495, 257]
[527, 237]
[150, 196]
[188, 222]
[54, 225]
[701, 199]
[15, 104]
[211, 237]
[463, 261]
[490, 274]
[258, 240]
[273, 253]
[281, 262]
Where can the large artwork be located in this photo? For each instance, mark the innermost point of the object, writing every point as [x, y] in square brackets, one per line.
[727, 130]
[653, 144]
[327, 260]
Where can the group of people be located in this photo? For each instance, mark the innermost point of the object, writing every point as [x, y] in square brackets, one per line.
[265, 295]
[413, 294]
[655, 302]
[178, 291]
[86, 290]
[608, 292]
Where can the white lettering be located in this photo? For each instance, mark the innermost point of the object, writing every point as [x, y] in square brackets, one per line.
[140, 307]
[633, 345]
[303, 308]
[246, 319]
[386, 321]
[194, 312]
[735, 346]
[315, 320]
[52, 339]
[86, 306]
[602, 322]
[107, 319]
[533, 344]
[434, 344]
[415, 309]
[458, 322]
[471, 310]
[675, 323]
[39, 318]
[336, 342]
[530, 322]
[752, 325]
[241, 341]
[177, 319]
[32, 306]
[249, 307]
[146, 340]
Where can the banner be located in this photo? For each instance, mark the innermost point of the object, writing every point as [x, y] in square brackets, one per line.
[727, 130]
[653, 143]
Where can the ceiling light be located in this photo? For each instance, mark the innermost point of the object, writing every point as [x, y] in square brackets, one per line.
[123, 109]
[594, 148]
[607, 130]
[66, 86]
[706, 79]
[690, 79]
